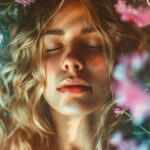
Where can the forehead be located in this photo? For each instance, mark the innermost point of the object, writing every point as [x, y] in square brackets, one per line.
[71, 14]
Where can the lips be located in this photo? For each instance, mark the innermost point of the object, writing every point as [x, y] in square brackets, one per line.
[75, 85]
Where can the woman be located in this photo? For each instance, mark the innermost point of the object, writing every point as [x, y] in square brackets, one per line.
[58, 85]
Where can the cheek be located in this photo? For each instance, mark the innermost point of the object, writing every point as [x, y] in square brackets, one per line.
[97, 65]
[51, 69]
[99, 72]
[51, 65]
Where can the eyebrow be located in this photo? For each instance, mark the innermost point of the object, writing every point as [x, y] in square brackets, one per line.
[61, 32]
[54, 32]
[87, 30]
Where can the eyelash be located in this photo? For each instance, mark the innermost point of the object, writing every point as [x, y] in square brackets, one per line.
[94, 47]
[98, 48]
[53, 49]
[87, 46]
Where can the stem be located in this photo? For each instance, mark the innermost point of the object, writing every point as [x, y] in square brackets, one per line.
[145, 130]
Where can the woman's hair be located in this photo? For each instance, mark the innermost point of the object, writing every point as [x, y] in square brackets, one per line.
[24, 114]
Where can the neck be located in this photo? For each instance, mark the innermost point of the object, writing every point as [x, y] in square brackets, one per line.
[75, 132]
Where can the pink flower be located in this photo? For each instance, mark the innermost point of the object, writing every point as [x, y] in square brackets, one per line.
[128, 65]
[131, 96]
[121, 6]
[25, 2]
[120, 144]
[140, 16]
[128, 91]
[119, 110]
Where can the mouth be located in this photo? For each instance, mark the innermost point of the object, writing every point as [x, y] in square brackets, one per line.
[73, 86]
[74, 89]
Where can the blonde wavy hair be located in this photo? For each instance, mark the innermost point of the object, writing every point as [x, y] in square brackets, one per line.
[24, 114]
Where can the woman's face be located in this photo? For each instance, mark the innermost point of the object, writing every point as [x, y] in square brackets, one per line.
[75, 65]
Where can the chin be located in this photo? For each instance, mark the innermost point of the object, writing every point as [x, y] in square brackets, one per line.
[74, 110]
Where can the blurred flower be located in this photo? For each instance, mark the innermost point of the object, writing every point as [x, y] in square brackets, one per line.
[135, 62]
[140, 15]
[129, 91]
[120, 144]
[131, 96]
[25, 2]
[116, 138]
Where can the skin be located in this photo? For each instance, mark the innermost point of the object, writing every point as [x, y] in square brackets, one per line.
[72, 48]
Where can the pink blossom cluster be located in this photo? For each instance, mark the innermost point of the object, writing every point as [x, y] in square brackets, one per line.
[25, 2]
[140, 15]
[127, 90]
[119, 143]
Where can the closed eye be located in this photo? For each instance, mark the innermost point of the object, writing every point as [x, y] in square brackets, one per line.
[99, 47]
[54, 49]
[92, 46]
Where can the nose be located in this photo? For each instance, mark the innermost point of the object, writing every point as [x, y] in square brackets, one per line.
[72, 63]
